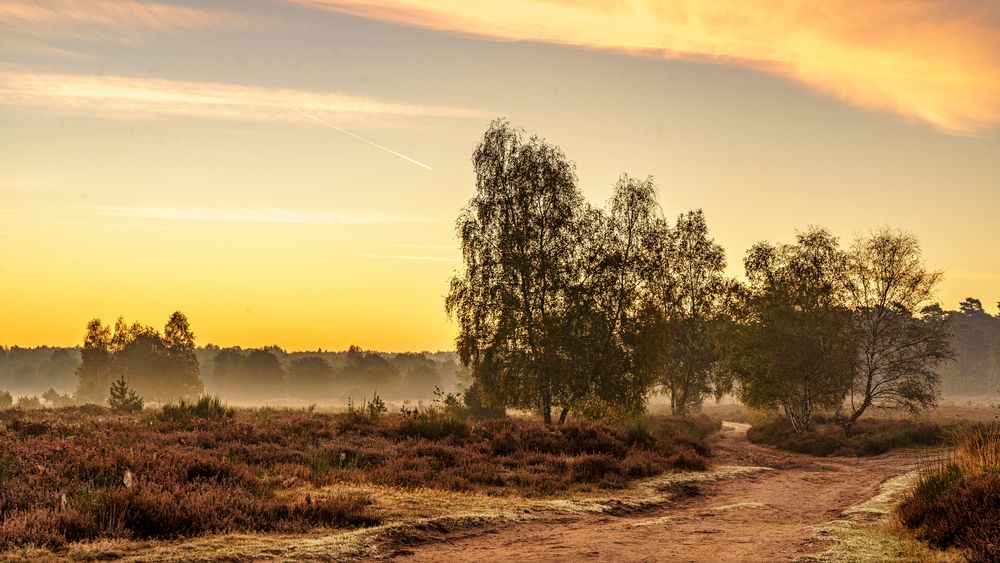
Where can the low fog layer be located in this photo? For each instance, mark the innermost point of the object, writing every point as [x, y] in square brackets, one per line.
[274, 376]
[269, 376]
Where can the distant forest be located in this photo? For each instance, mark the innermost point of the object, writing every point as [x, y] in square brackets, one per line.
[245, 376]
[274, 375]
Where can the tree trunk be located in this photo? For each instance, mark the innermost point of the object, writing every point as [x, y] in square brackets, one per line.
[563, 414]
[547, 406]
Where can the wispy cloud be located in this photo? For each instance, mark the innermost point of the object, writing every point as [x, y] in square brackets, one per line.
[111, 20]
[930, 60]
[253, 215]
[120, 96]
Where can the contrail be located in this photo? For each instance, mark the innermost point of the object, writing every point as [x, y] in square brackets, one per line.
[346, 132]
[359, 137]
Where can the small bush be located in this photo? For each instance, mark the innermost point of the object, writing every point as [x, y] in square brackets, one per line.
[870, 436]
[595, 468]
[6, 401]
[432, 424]
[688, 460]
[206, 407]
[57, 399]
[29, 402]
[637, 432]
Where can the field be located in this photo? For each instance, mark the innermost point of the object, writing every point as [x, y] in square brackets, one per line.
[85, 474]
[208, 483]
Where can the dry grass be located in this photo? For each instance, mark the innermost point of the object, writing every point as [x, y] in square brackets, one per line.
[957, 503]
[871, 533]
[977, 450]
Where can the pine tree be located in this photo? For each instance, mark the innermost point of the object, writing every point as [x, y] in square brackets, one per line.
[123, 398]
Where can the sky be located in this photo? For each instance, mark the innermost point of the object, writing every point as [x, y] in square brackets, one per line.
[289, 171]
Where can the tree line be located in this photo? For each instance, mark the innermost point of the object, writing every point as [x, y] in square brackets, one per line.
[564, 307]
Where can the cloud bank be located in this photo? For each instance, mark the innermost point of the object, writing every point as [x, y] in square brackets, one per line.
[110, 20]
[935, 61]
[119, 96]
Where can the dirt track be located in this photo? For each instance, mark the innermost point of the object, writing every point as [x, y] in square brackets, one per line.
[763, 516]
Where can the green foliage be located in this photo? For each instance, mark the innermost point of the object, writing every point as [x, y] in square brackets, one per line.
[900, 340]
[368, 409]
[6, 401]
[376, 407]
[123, 398]
[794, 347]
[518, 237]
[477, 408]
[561, 305]
[680, 338]
[205, 407]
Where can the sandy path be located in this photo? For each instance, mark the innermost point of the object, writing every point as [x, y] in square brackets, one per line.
[764, 516]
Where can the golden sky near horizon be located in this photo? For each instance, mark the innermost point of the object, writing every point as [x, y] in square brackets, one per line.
[288, 171]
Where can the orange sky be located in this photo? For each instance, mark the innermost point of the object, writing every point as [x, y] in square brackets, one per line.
[289, 172]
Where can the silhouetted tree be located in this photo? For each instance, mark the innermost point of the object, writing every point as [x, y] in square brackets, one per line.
[797, 349]
[179, 341]
[367, 373]
[899, 348]
[618, 257]
[57, 399]
[686, 314]
[227, 364]
[95, 367]
[310, 377]
[520, 258]
[262, 376]
[975, 370]
[160, 370]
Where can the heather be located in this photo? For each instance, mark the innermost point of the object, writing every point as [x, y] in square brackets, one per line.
[868, 437]
[957, 504]
[83, 473]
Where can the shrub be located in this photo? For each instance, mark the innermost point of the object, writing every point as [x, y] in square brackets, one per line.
[123, 398]
[29, 402]
[595, 468]
[206, 407]
[6, 401]
[432, 424]
[958, 503]
[689, 460]
[870, 436]
[637, 431]
[57, 399]
[476, 408]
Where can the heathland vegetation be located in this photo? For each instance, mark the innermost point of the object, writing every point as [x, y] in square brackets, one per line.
[85, 473]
